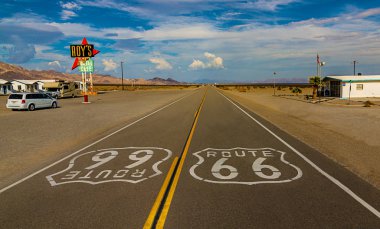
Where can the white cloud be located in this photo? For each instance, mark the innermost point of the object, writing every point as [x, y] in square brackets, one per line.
[109, 65]
[369, 13]
[70, 6]
[161, 63]
[197, 64]
[68, 10]
[213, 62]
[181, 32]
[55, 64]
[269, 5]
[67, 14]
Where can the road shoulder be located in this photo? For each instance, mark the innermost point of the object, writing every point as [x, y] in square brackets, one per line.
[337, 145]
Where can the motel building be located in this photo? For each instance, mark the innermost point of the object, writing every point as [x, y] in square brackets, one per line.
[5, 87]
[25, 85]
[361, 86]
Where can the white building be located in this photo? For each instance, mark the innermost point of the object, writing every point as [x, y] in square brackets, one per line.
[25, 85]
[5, 87]
[352, 86]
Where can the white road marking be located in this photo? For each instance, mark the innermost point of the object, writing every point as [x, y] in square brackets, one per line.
[72, 172]
[88, 146]
[258, 155]
[332, 179]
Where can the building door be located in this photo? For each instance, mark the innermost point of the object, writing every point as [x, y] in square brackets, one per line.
[5, 89]
[335, 88]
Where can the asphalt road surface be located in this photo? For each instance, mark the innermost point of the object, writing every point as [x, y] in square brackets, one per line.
[202, 161]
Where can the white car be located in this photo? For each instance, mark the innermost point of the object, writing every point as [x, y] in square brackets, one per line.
[30, 101]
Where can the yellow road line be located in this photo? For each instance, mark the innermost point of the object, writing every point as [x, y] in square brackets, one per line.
[149, 222]
[165, 209]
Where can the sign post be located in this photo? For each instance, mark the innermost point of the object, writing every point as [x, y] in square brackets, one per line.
[83, 54]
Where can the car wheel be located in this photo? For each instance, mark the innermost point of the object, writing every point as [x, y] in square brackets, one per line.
[31, 107]
[54, 105]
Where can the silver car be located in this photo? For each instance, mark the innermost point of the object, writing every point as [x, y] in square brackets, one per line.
[30, 101]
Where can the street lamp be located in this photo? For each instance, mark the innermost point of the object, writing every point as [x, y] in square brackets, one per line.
[274, 83]
[355, 62]
[122, 76]
[349, 94]
[320, 80]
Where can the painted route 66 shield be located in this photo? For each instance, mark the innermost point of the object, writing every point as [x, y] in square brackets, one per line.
[130, 164]
[244, 166]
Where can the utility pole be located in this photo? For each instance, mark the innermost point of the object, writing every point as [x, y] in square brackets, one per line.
[122, 76]
[355, 62]
[274, 83]
[349, 94]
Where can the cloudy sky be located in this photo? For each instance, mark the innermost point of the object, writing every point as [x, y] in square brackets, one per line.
[219, 40]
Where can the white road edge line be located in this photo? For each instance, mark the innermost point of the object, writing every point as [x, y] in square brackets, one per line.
[332, 179]
[76, 152]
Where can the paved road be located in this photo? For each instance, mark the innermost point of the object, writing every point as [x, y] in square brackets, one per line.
[200, 162]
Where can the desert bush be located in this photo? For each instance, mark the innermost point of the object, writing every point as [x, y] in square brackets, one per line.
[296, 90]
[241, 89]
[368, 103]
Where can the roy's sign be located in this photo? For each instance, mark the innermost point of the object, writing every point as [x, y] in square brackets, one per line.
[84, 51]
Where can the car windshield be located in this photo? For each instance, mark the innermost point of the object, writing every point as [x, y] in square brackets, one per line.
[15, 96]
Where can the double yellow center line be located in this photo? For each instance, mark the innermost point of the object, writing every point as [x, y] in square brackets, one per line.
[164, 198]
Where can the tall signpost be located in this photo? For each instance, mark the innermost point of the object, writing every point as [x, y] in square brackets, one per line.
[83, 54]
[355, 62]
[122, 76]
[274, 83]
[320, 64]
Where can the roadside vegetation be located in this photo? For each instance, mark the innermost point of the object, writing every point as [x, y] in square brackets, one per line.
[315, 81]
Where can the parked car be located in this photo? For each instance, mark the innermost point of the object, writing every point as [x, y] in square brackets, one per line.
[30, 101]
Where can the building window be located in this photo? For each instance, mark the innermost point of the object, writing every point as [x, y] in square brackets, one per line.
[359, 87]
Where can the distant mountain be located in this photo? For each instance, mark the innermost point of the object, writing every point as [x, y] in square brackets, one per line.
[285, 80]
[211, 81]
[11, 72]
[168, 81]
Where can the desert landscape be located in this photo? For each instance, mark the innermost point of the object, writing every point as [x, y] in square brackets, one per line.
[189, 114]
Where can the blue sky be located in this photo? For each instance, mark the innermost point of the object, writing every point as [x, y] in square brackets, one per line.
[219, 40]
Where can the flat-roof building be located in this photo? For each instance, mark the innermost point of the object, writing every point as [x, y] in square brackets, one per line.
[352, 86]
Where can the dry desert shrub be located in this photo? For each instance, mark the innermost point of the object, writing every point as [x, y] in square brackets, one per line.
[241, 88]
[368, 103]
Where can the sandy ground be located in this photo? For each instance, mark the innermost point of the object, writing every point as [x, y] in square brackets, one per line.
[30, 140]
[347, 134]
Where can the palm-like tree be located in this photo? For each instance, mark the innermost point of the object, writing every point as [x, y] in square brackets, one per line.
[315, 81]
